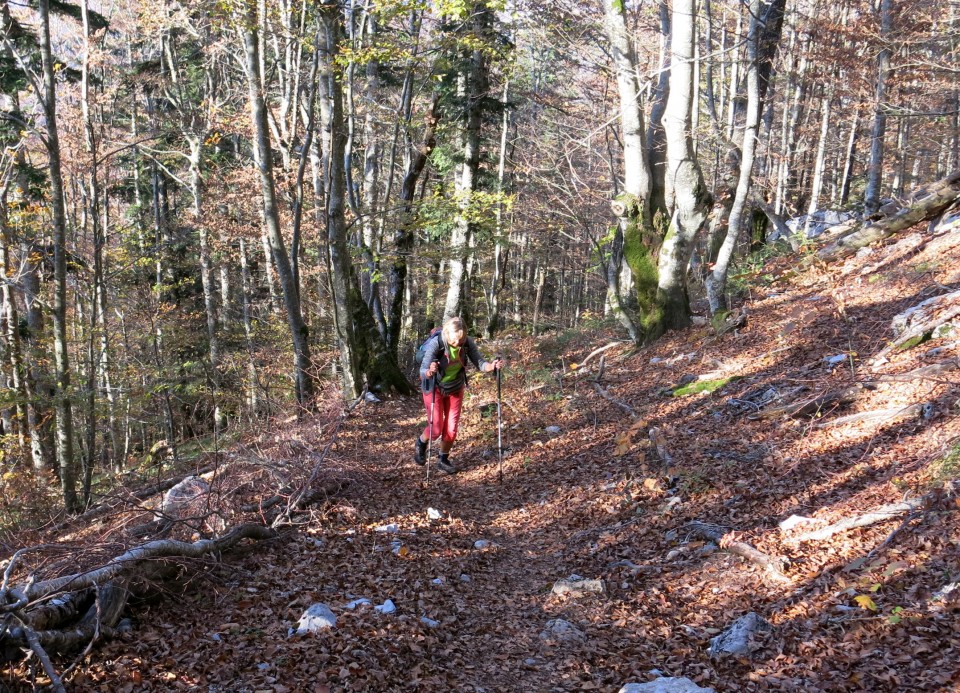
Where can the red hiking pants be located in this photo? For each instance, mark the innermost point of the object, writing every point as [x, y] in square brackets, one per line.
[446, 413]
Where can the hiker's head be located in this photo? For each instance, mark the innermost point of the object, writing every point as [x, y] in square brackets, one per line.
[454, 332]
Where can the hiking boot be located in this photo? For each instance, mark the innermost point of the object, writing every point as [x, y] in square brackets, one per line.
[420, 453]
[445, 466]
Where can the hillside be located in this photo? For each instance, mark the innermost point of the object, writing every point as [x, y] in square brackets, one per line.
[858, 610]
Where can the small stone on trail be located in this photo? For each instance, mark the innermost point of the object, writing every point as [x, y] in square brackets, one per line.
[835, 360]
[795, 521]
[464, 578]
[316, 617]
[362, 601]
[669, 684]
[576, 586]
[392, 528]
[553, 430]
[370, 397]
[738, 639]
[561, 631]
[388, 607]
[437, 581]
[482, 544]
[429, 622]
[434, 514]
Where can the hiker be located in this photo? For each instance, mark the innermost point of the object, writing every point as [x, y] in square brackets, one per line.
[445, 356]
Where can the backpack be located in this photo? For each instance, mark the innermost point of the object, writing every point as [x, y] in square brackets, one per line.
[422, 349]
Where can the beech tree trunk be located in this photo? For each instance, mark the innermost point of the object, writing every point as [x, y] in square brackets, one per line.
[303, 374]
[64, 407]
[686, 192]
[871, 201]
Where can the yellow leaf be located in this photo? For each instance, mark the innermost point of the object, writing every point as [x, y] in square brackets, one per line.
[865, 602]
[403, 551]
[573, 366]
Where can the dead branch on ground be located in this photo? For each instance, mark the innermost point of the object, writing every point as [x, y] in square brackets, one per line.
[726, 540]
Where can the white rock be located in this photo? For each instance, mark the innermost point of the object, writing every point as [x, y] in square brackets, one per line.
[834, 360]
[795, 521]
[464, 578]
[553, 430]
[482, 544]
[391, 528]
[738, 639]
[362, 601]
[372, 398]
[437, 581]
[561, 631]
[667, 684]
[578, 587]
[316, 617]
[429, 622]
[263, 666]
[388, 607]
[434, 514]
[216, 637]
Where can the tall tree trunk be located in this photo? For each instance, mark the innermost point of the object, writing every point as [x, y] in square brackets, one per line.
[473, 89]
[871, 201]
[271, 214]
[63, 405]
[717, 279]
[632, 207]
[686, 191]
[339, 255]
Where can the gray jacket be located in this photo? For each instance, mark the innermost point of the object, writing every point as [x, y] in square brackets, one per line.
[436, 351]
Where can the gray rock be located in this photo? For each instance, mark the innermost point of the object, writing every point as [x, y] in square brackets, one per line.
[552, 430]
[362, 601]
[429, 622]
[562, 632]
[464, 577]
[388, 607]
[739, 639]
[667, 684]
[575, 586]
[482, 544]
[317, 617]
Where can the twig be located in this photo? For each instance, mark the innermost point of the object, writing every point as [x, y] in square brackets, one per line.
[37, 648]
[886, 542]
[603, 393]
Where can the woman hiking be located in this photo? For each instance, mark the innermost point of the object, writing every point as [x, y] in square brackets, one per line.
[443, 379]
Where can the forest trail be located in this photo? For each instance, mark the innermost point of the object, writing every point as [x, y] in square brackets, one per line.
[855, 611]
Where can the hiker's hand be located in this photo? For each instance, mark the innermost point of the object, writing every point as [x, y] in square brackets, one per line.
[432, 370]
[496, 364]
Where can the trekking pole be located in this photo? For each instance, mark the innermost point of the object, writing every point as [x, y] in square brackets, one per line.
[499, 429]
[433, 403]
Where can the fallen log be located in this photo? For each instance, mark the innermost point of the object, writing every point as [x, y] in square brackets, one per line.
[940, 196]
[931, 372]
[815, 405]
[923, 320]
[880, 415]
[726, 540]
[879, 514]
[130, 559]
